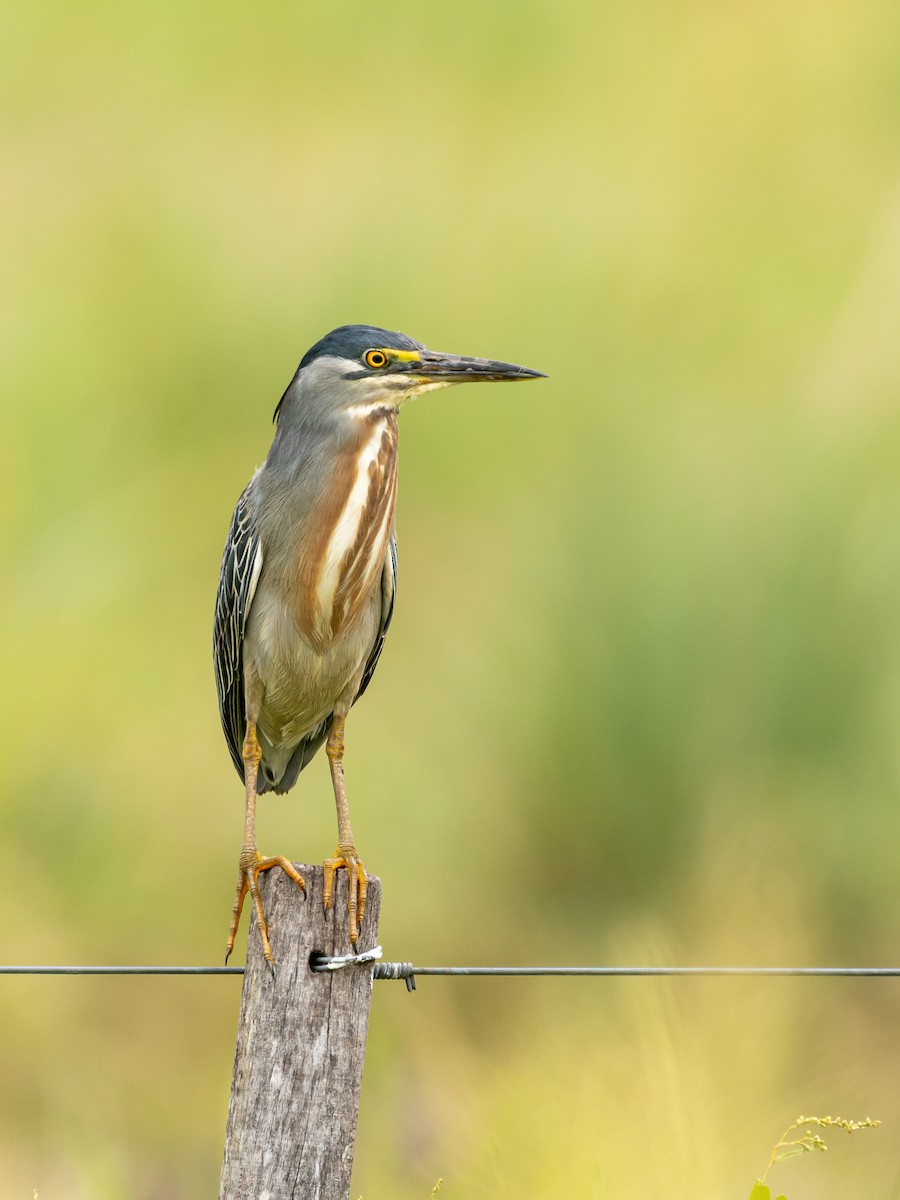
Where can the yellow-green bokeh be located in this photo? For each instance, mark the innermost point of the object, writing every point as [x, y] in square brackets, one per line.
[640, 700]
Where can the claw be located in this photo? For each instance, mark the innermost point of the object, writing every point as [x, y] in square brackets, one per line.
[252, 864]
[346, 859]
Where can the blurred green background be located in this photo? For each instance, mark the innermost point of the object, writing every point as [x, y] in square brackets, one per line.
[639, 703]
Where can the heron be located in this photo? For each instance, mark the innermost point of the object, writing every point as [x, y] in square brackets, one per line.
[308, 579]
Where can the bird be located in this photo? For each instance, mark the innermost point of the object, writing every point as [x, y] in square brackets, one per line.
[308, 579]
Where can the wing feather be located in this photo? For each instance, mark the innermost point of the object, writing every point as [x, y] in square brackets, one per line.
[238, 577]
[388, 593]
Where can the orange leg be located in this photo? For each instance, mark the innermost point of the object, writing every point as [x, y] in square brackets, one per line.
[346, 855]
[252, 863]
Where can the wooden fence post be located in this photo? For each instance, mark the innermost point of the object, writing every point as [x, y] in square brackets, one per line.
[300, 1049]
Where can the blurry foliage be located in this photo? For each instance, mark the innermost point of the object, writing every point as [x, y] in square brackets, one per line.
[639, 702]
[808, 1141]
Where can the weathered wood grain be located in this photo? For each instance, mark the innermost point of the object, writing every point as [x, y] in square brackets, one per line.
[300, 1049]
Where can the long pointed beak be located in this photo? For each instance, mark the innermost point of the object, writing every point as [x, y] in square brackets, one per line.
[435, 367]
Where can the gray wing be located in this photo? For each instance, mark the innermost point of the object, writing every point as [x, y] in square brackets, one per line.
[388, 592]
[241, 564]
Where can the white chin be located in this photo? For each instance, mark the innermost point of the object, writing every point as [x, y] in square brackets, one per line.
[419, 389]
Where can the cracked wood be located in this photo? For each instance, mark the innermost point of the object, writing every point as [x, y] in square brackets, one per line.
[300, 1049]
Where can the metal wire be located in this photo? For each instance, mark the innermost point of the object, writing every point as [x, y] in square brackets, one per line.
[408, 971]
[401, 970]
[118, 970]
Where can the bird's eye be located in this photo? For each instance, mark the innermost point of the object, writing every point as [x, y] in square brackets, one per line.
[376, 358]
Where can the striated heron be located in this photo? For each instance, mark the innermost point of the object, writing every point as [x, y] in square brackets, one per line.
[308, 578]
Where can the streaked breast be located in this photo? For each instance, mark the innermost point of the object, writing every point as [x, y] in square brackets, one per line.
[344, 563]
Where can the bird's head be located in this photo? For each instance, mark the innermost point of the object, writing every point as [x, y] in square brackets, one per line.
[359, 367]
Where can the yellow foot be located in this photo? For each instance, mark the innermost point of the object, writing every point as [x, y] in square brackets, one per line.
[346, 857]
[251, 864]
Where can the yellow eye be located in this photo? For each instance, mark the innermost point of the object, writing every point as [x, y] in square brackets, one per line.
[376, 358]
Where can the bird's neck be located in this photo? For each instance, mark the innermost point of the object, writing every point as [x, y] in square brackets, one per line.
[330, 513]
